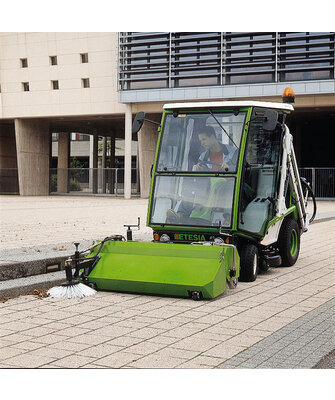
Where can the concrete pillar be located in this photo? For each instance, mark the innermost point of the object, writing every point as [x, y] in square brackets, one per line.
[63, 162]
[147, 141]
[127, 152]
[33, 156]
[8, 161]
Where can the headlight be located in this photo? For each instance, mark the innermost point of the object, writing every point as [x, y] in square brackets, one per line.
[218, 240]
[165, 238]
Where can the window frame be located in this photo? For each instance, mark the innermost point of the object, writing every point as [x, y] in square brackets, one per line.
[53, 58]
[84, 58]
[85, 83]
[24, 62]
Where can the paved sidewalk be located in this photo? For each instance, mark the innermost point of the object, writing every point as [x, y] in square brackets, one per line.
[111, 330]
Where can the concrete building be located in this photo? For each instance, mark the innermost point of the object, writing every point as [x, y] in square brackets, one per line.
[94, 83]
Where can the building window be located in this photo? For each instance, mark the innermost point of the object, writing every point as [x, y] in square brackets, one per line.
[24, 62]
[55, 85]
[53, 60]
[84, 57]
[85, 83]
[79, 137]
[25, 86]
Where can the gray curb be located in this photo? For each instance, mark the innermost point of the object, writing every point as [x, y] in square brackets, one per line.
[19, 286]
[300, 344]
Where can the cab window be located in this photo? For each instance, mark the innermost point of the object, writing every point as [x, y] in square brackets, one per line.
[260, 174]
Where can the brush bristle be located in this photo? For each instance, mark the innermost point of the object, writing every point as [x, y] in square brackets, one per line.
[70, 292]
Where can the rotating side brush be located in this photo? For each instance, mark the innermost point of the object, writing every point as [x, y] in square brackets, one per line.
[72, 288]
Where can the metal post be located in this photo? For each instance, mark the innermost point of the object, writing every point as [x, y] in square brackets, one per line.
[116, 184]
[276, 59]
[95, 162]
[170, 59]
[313, 180]
[221, 59]
[127, 152]
[112, 164]
[103, 166]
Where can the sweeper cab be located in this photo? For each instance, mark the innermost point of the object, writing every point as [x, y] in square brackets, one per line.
[226, 202]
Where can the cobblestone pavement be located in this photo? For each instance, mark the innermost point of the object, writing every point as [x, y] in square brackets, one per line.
[300, 344]
[280, 313]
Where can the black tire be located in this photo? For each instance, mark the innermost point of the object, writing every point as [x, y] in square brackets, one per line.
[289, 242]
[248, 263]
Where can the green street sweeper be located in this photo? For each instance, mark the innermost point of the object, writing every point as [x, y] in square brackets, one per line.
[226, 202]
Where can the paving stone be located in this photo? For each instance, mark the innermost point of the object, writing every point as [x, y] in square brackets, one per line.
[99, 351]
[70, 346]
[91, 339]
[223, 351]
[155, 361]
[195, 344]
[124, 341]
[147, 333]
[28, 361]
[27, 345]
[72, 361]
[50, 352]
[118, 360]
[144, 348]
[8, 352]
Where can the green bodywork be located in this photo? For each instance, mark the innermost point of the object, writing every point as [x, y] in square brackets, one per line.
[165, 268]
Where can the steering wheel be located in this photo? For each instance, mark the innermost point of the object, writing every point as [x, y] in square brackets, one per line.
[201, 162]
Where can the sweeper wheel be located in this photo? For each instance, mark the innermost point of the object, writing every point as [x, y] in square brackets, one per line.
[196, 295]
[92, 285]
[249, 263]
[289, 242]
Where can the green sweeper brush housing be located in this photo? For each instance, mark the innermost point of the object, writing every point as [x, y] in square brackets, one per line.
[226, 201]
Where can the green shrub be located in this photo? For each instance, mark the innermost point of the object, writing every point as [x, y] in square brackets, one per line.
[53, 186]
[74, 185]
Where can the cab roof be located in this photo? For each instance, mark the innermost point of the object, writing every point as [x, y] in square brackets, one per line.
[229, 104]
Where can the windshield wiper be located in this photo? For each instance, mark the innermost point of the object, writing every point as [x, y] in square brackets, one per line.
[223, 129]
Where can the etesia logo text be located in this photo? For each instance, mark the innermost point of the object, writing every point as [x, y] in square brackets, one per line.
[189, 237]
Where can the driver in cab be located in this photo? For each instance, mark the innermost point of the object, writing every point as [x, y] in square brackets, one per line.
[217, 156]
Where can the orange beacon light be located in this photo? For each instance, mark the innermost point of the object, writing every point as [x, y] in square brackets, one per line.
[288, 95]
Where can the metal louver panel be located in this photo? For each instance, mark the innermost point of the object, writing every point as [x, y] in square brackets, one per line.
[184, 59]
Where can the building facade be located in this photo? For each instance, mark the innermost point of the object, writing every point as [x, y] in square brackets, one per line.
[94, 83]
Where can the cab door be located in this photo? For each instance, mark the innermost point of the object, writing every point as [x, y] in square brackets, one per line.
[260, 175]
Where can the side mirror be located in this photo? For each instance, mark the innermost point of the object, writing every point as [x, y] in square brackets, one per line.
[138, 121]
[270, 120]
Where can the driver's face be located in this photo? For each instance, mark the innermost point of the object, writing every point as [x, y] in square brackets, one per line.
[206, 141]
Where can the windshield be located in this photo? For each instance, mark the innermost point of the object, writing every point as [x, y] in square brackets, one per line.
[201, 142]
[193, 201]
